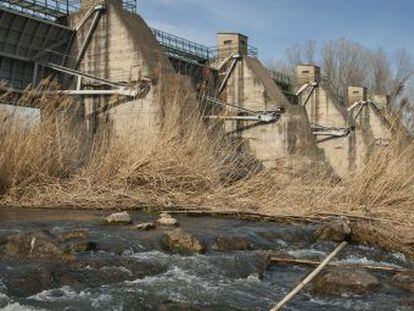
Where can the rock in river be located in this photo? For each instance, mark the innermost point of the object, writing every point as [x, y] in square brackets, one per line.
[145, 226]
[182, 242]
[404, 280]
[168, 221]
[338, 230]
[35, 245]
[345, 280]
[119, 218]
[44, 244]
[232, 244]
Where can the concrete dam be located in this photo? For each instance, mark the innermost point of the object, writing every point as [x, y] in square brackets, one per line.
[101, 50]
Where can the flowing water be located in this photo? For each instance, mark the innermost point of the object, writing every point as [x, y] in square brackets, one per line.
[130, 271]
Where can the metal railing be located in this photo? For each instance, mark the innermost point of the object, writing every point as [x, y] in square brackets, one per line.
[53, 9]
[48, 9]
[225, 51]
[279, 77]
[180, 47]
[177, 46]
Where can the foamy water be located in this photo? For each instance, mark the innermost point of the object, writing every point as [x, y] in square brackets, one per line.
[135, 273]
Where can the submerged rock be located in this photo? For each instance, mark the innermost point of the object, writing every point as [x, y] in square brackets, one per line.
[232, 244]
[36, 245]
[34, 281]
[168, 221]
[282, 255]
[73, 235]
[404, 280]
[242, 265]
[81, 247]
[263, 263]
[174, 306]
[119, 218]
[45, 245]
[145, 226]
[181, 241]
[338, 230]
[340, 280]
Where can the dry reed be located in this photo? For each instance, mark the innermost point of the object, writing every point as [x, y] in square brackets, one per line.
[182, 161]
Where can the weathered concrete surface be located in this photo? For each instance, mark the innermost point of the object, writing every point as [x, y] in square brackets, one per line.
[325, 110]
[346, 154]
[251, 87]
[372, 131]
[308, 73]
[356, 93]
[123, 49]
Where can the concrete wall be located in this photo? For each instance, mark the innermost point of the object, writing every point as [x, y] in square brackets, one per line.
[345, 154]
[308, 73]
[123, 49]
[250, 86]
[356, 93]
[231, 43]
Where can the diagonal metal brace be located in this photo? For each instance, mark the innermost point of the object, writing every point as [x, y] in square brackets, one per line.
[311, 86]
[246, 114]
[99, 9]
[223, 84]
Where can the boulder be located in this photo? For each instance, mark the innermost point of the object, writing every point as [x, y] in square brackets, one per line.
[263, 263]
[145, 226]
[344, 280]
[73, 235]
[36, 245]
[81, 247]
[182, 242]
[232, 244]
[167, 221]
[27, 283]
[119, 218]
[281, 255]
[338, 230]
[120, 267]
[404, 280]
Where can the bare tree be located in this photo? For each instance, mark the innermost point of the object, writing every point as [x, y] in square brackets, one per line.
[302, 53]
[344, 64]
[403, 73]
[380, 72]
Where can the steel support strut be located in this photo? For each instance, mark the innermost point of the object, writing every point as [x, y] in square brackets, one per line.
[98, 13]
[311, 86]
[223, 84]
[248, 115]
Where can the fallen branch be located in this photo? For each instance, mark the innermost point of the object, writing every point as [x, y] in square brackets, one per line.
[247, 215]
[275, 261]
[365, 218]
[310, 277]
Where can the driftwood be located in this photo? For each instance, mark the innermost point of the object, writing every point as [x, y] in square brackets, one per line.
[310, 277]
[248, 215]
[288, 261]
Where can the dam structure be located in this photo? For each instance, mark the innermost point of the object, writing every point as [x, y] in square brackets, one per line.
[348, 130]
[104, 55]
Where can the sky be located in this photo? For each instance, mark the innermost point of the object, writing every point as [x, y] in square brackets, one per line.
[275, 25]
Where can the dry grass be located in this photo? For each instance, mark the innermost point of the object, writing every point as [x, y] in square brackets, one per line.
[183, 162]
[168, 163]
